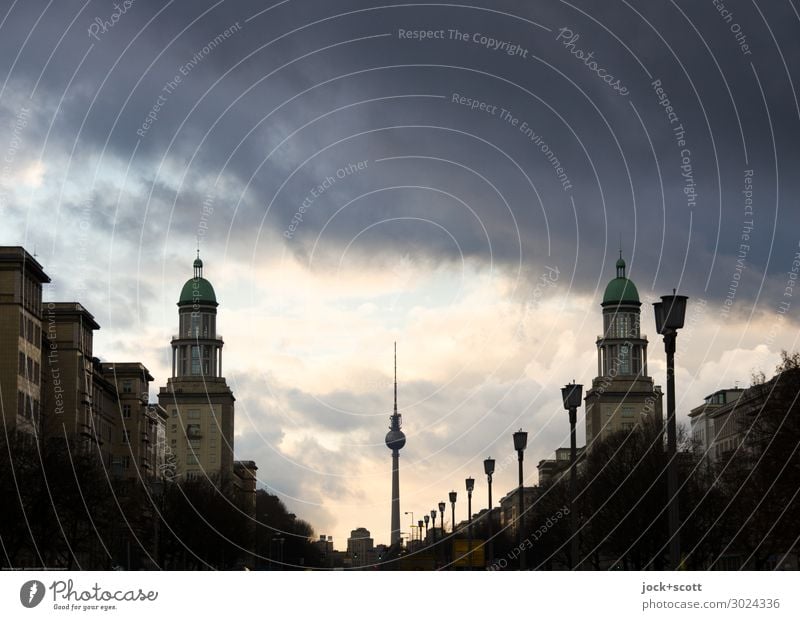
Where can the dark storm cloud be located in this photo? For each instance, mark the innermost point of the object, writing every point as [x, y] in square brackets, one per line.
[226, 117]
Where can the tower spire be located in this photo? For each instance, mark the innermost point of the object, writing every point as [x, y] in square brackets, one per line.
[395, 440]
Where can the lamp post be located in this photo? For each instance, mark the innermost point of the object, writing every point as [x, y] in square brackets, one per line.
[433, 527]
[488, 468]
[571, 394]
[669, 315]
[419, 529]
[427, 520]
[411, 512]
[520, 443]
[453, 496]
[157, 496]
[442, 506]
[470, 483]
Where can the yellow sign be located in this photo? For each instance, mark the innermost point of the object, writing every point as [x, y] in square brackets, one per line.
[462, 555]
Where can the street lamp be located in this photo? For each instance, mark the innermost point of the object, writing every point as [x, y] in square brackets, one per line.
[488, 468]
[669, 314]
[419, 528]
[470, 482]
[157, 495]
[453, 496]
[520, 443]
[411, 512]
[433, 527]
[427, 520]
[572, 393]
[442, 506]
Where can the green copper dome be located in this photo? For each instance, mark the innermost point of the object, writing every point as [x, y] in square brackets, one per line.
[621, 289]
[197, 290]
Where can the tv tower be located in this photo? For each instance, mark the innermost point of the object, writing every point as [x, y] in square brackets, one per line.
[395, 440]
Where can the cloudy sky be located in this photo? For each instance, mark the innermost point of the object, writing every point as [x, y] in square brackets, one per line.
[458, 178]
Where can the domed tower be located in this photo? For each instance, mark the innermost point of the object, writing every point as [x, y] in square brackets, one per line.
[197, 397]
[622, 394]
[395, 440]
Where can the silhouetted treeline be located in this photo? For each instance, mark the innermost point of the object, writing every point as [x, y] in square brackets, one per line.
[740, 510]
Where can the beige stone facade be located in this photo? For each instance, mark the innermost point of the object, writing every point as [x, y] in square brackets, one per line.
[21, 362]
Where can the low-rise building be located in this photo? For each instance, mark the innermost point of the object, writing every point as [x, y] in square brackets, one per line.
[551, 469]
[702, 420]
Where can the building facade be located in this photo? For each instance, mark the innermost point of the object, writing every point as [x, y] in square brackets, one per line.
[360, 547]
[623, 394]
[552, 469]
[138, 445]
[702, 420]
[197, 399]
[22, 360]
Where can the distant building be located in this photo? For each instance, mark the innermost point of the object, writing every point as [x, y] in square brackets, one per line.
[360, 547]
[139, 444]
[197, 399]
[324, 547]
[551, 469]
[21, 355]
[702, 420]
[623, 394]
[509, 508]
[79, 404]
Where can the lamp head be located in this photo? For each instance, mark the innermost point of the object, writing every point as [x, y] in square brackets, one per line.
[453, 496]
[520, 440]
[488, 466]
[470, 484]
[670, 312]
[442, 506]
[571, 394]
[433, 514]
[426, 518]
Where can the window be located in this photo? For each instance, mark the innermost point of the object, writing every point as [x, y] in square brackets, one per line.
[21, 370]
[191, 459]
[126, 436]
[29, 331]
[624, 359]
[21, 404]
[37, 337]
[36, 369]
[174, 413]
[195, 325]
[126, 462]
[126, 411]
[174, 428]
[194, 444]
[213, 458]
[127, 386]
[194, 414]
[195, 360]
[21, 325]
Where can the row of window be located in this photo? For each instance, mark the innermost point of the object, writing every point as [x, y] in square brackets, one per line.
[197, 325]
[621, 325]
[32, 295]
[27, 406]
[28, 368]
[191, 459]
[30, 331]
